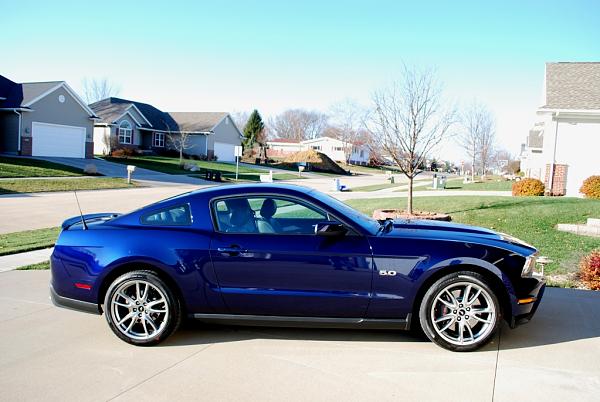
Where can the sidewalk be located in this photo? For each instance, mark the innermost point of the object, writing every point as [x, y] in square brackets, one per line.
[14, 261]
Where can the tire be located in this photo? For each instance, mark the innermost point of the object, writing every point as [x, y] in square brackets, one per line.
[453, 324]
[141, 309]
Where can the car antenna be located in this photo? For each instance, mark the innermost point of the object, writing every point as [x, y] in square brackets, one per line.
[80, 213]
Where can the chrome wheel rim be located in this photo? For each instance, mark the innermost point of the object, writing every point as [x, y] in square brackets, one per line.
[139, 310]
[463, 313]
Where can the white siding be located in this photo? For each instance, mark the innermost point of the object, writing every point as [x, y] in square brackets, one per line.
[577, 146]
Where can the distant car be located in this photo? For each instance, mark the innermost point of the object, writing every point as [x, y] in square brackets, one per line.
[290, 256]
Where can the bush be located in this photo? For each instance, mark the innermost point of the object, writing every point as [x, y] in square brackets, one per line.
[528, 187]
[122, 152]
[589, 270]
[591, 187]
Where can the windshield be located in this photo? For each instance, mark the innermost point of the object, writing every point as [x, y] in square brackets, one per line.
[369, 224]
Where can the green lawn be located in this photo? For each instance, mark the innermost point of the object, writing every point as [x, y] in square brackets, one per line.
[531, 219]
[43, 185]
[376, 187]
[24, 167]
[41, 265]
[171, 165]
[457, 184]
[381, 186]
[256, 176]
[20, 242]
[368, 169]
[488, 185]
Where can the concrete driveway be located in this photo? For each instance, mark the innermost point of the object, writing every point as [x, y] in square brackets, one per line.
[52, 354]
[112, 169]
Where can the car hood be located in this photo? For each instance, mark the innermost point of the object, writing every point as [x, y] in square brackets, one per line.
[458, 232]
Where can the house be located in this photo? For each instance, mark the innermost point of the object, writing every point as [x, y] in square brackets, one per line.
[124, 123]
[282, 147]
[332, 147]
[569, 126]
[44, 119]
[531, 157]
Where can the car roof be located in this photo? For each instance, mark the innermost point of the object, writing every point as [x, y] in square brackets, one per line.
[232, 189]
[218, 191]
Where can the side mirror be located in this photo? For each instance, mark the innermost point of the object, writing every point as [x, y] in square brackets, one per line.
[330, 228]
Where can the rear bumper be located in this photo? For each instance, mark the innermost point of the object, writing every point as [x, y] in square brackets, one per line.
[72, 304]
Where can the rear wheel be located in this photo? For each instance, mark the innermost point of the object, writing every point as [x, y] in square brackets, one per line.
[460, 312]
[141, 309]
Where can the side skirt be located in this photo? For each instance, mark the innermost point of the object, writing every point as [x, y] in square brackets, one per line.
[304, 322]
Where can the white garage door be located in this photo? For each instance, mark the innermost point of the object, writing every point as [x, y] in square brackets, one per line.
[225, 152]
[58, 140]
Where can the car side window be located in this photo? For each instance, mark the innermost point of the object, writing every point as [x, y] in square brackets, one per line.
[172, 216]
[265, 214]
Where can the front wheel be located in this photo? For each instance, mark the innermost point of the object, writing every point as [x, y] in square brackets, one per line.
[460, 312]
[141, 309]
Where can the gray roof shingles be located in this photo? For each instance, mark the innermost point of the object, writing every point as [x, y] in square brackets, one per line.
[18, 94]
[573, 85]
[197, 121]
[200, 122]
[110, 109]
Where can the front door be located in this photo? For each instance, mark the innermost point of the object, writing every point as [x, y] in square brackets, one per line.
[269, 261]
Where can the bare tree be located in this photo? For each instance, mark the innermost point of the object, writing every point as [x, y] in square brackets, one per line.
[298, 124]
[348, 123]
[409, 121]
[240, 118]
[96, 89]
[487, 142]
[505, 162]
[180, 141]
[477, 137]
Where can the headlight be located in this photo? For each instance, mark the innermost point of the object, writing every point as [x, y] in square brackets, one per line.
[529, 266]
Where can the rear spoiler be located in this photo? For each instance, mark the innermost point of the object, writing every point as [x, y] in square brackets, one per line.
[88, 218]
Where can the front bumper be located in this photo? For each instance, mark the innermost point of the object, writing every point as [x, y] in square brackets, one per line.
[72, 304]
[533, 289]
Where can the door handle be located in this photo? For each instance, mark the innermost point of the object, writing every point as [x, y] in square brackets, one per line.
[231, 251]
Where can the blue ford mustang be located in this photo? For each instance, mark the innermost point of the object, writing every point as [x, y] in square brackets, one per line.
[290, 256]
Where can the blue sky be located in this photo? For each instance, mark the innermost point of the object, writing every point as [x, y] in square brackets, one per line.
[274, 55]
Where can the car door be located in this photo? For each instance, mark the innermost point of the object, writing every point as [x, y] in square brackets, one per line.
[269, 261]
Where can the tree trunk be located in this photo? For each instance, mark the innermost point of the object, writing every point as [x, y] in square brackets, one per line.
[409, 207]
[473, 171]
[181, 156]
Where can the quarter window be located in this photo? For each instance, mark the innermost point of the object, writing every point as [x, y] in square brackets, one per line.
[265, 214]
[125, 132]
[172, 216]
[159, 140]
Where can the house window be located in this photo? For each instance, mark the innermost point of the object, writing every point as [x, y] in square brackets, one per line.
[338, 148]
[362, 154]
[125, 132]
[159, 140]
[316, 147]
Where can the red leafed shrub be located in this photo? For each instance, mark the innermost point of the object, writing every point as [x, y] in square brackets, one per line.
[122, 152]
[528, 187]
[591, 187]
[589, 270]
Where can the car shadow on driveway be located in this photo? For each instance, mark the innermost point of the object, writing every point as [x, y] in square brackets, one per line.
[196, 333]
[565, 315]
